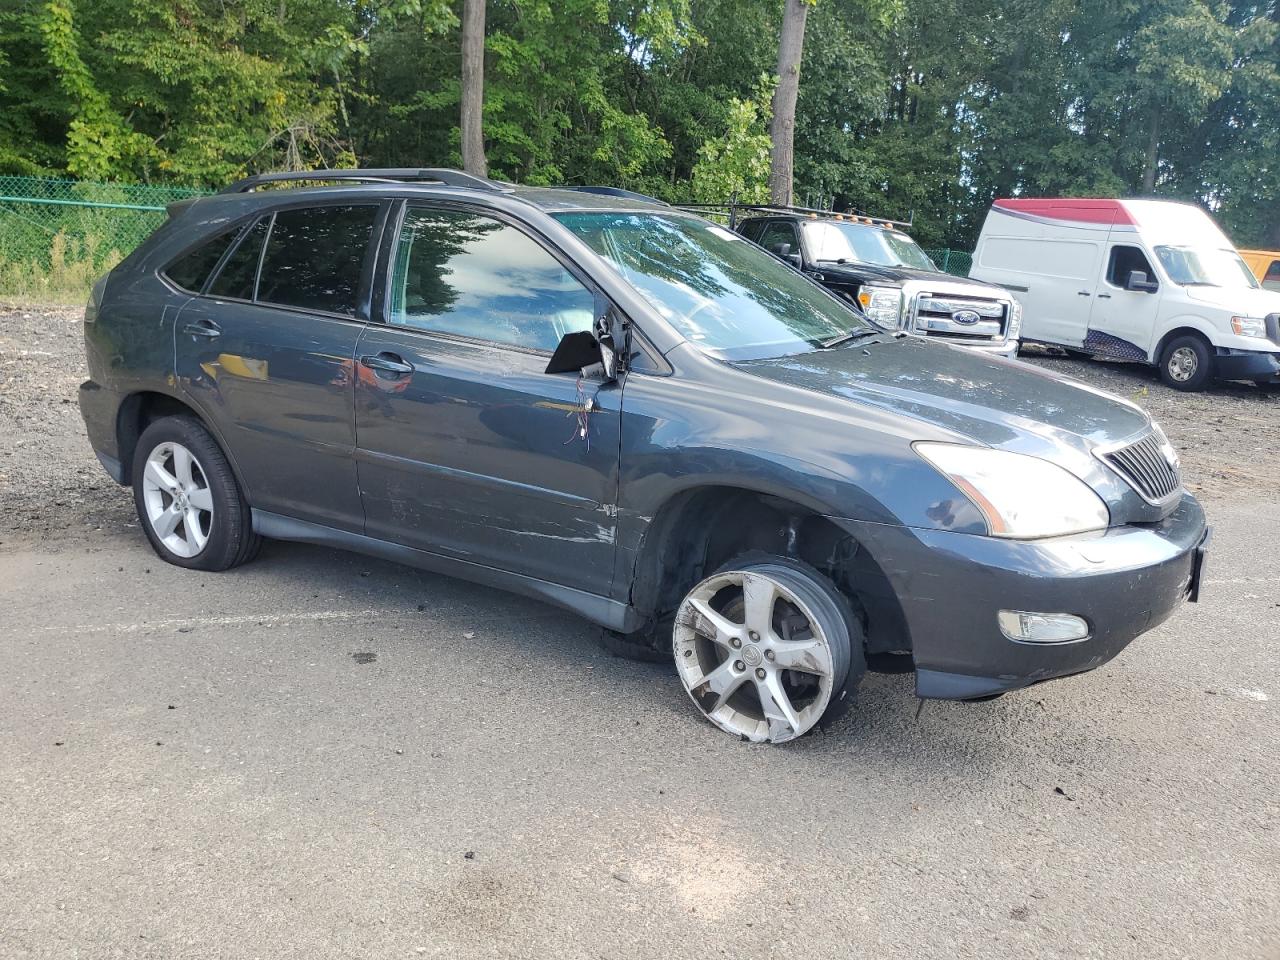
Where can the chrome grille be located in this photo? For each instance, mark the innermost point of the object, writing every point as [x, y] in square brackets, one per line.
[934, 315]
[1145, 467]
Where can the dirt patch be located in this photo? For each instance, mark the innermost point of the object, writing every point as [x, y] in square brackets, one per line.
[51, 485]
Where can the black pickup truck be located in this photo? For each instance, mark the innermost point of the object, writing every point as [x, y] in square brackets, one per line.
[876, 265]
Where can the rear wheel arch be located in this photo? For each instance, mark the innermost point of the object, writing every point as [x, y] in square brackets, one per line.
[699, 529]
[139, 410]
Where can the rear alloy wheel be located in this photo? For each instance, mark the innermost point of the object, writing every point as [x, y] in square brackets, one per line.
[1186, 364]
[187, 497]
[767, 649]
[178, 500]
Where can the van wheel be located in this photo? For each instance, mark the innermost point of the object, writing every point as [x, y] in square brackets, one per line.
[767, 648]
[1186, 363]
[187, 498]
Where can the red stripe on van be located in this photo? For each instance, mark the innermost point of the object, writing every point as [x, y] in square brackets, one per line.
[1082, 211]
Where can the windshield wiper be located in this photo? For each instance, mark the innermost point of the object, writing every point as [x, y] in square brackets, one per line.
[845, 337]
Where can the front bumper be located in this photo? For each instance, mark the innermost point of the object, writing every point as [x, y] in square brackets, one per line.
[1123, 582]
[1008, 349]
[1232, 364]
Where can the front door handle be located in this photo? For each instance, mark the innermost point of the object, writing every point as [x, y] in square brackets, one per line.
[203, 328]
[1082, 293]
[387, 363]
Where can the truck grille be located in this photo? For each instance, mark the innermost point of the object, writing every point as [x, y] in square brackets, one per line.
[935, 315]
[1144, 467]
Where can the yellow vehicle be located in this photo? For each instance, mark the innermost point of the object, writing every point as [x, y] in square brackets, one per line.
[1265, 265]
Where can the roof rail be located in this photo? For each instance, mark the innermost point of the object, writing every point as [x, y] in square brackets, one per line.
[854, 216]
[619, 192]
[450, 178]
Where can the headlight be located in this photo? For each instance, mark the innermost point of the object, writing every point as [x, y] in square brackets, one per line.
[1248, 327]
[1015, 319]
[1021, 497]
[881, 304]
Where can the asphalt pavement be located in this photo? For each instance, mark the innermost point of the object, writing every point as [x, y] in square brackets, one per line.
[319, 755]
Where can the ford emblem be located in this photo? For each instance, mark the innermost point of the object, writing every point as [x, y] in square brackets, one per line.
[967, 317]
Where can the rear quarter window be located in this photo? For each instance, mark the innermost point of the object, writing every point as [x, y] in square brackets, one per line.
[192, 269]
[237, 276]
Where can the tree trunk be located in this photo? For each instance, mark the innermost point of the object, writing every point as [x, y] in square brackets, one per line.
[782, 130]
[473, 160]
[1153, 153]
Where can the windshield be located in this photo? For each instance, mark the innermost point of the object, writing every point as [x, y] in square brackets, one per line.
[834, 241]
[1206, 267]
[719, 290]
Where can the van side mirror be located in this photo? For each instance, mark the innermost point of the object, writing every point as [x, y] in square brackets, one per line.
[1137, 280]
[783, 252]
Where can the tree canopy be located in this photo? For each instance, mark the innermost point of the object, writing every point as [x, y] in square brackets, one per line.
[929, 108]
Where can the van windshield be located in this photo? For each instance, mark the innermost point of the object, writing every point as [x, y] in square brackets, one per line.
[835, 242]
[1205, 267]
[719, 290]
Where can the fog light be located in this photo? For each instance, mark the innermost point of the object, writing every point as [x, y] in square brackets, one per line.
[1023, 627]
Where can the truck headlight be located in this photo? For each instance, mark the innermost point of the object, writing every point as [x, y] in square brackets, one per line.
[1021, 497]
[1248, 327]
[881, 304]
[1015, 319]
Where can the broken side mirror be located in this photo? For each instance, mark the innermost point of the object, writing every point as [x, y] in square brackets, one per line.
[1137, 280]
[589, 352]
[783, 252]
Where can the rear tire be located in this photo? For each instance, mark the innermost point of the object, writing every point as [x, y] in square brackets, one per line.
[188, 501]
[1186, 363]
[767, 648]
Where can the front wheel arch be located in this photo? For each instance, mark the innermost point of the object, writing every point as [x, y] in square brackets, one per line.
[680, 547]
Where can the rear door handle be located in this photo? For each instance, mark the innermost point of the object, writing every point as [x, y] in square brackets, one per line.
[1104, 296]
[387, 363]
[203, 328]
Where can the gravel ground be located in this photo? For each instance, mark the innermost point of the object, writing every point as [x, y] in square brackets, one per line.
[320, 755]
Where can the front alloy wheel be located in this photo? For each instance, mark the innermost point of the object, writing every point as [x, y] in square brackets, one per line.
[764, 649]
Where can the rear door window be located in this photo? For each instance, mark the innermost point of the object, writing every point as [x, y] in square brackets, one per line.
[237, 277]
[315, 258]
[191, 270]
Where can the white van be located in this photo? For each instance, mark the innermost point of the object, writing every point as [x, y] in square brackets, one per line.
[1148, 280]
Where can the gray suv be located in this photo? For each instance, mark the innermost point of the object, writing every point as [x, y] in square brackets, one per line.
[638, 415]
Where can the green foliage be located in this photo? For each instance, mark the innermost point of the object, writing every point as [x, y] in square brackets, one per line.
[924, 107]
[736, 165]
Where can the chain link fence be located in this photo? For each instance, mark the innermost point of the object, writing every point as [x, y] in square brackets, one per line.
[57, 236]
[951, 261]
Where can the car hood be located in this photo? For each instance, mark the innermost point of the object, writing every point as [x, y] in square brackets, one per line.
[1244, 301]
[874, 273]
[988, 400]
